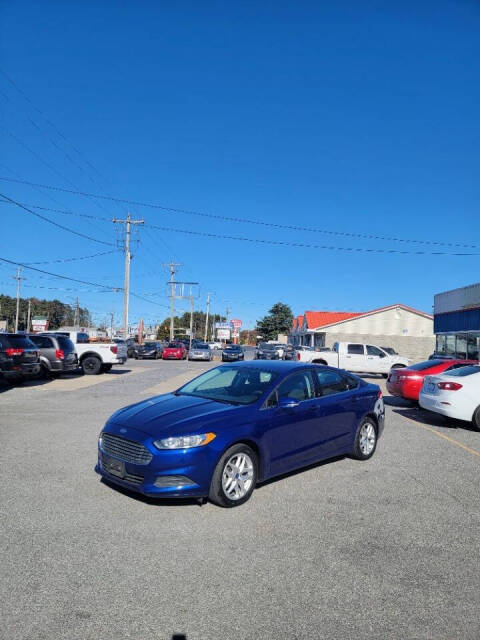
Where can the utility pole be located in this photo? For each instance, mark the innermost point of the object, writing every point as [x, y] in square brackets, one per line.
[126, 288]
[172, 266]
[76, 319]
[191, 317]
[29, 314]
[18, 278]
[206, 319]
[111, 324]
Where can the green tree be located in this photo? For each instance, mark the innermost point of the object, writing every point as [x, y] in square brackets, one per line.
[278, 320]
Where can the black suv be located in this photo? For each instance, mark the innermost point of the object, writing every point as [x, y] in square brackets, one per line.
[57, 353]
[153, 350]
[18, 357]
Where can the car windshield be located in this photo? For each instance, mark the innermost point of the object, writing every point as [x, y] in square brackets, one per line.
[175, 345]
[233, 347]
[231, 385]
[465, 371]
[201, 345]
[267, 347]
[427, 364]
[151, 345]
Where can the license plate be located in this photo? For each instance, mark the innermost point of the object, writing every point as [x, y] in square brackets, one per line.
[114, 467]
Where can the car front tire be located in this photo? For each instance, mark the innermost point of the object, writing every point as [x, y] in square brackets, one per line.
[235, 476]
[365, 439]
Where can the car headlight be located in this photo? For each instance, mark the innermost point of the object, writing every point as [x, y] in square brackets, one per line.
[185, 442]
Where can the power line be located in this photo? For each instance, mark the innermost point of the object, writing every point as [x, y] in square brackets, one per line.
[62, 260]
[56, 275]
[263, 223]
[50, 123]
[303, 245]
[56, 224]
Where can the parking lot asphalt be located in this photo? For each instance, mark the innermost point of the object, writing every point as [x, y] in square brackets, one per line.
[381, 549]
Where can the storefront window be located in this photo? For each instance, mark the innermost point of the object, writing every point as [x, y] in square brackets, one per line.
[473, 346]
[461, 349]
[440, 344]
[450, 345]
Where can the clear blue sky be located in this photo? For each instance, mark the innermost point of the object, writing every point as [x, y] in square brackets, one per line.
[357, 117]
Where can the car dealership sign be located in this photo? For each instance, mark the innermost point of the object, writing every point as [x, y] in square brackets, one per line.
[39, 324]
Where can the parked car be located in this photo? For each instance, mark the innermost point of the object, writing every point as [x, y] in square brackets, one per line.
[455, 394]
[356, 357]
[289, 352]
[149, 350]
[233, 353]
[407, 382]
[131, 347]
[201, 351]
[215, 345]
[239, 424]
[303, 347]
[94, 357]
[175, 351]
[57, 354]
[269, 351]
[18, 357]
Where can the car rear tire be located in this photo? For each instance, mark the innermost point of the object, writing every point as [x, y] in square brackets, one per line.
[365, 439]
[235, 476]
[91, 366]
[44, 373]
[476, 419]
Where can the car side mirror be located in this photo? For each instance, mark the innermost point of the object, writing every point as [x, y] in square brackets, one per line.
[288, 403]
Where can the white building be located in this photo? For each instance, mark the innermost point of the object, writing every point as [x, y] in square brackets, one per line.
[408, 331]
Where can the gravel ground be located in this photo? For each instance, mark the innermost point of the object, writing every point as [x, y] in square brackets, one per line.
[381, 549]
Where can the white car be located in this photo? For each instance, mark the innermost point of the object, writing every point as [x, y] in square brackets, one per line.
[455, 394]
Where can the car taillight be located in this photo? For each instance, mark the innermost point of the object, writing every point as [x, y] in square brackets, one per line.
[298, 356]
[380, 394]
[14, 352]
[59, 354]
[449, 386]
[114, 349]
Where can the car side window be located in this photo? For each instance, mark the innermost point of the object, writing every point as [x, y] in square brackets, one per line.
[272, 400]
[356, 349]
[298, 386]
[330, 382]
[374, 351]
[42, 342]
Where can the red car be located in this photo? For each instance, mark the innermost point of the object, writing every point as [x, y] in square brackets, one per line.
[406, 382]
[175, 351]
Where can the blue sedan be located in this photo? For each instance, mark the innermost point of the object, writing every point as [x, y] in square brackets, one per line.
[237, 425]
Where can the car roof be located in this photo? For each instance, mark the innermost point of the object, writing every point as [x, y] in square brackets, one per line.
[272, 365]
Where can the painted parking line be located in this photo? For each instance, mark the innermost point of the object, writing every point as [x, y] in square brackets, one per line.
[448, 438]
[74, 384]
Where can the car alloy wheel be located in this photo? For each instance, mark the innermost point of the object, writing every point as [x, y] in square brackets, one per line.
[365, 440]
[235, 476]
[476, 419]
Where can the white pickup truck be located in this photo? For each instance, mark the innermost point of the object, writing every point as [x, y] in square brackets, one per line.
[95, 357]
[352, 356]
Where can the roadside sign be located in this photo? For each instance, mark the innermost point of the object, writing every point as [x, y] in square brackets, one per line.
[223, 334]
[39, 324]
[236, 323]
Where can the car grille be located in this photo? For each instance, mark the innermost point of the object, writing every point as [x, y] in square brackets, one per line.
[124, 449]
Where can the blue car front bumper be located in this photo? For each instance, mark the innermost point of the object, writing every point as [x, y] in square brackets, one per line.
[169, 473]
